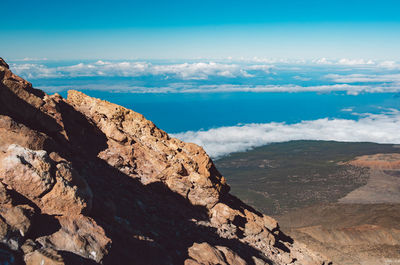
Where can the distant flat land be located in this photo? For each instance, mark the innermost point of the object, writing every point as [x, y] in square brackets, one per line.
[340, 199]
[281, 177]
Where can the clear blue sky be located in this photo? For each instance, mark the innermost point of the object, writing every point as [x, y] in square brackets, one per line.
[207, 28]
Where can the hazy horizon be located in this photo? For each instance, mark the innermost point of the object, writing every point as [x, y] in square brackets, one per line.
[246, 73]
[228, 106]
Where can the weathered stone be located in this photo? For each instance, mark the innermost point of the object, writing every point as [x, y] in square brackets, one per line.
[29, 246]
[148, 194]
[191, 262]
[258, 261]
[204, 253]
[231, 257]
[12, 132]
[270, 223]
[80, 235]
[223, 214]
[27, 171]
[18, 217]
[156, 156]
[31, 173]
[70, 194]
[3, 63]
[4, 196]
[252, 228]
[44, 256]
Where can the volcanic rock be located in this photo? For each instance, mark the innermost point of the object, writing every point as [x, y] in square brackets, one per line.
[85, 181]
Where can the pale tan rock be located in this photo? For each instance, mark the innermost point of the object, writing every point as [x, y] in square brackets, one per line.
[18, 217]
[27, 171]
[252, 228]
[70, 194]
[30, 173]
[80, 235]
[46, 256]
[12, 132]
[152, 155]
[231, 257]
[205, 254]
[270, 223]
[29, 246]
[258, 261]
[222, 214]
[63, 199]
[191, 262]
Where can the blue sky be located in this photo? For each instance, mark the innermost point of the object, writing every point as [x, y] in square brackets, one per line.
[200, 29]
[237, 63]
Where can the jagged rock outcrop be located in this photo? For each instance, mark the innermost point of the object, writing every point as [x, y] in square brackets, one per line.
[85, 181]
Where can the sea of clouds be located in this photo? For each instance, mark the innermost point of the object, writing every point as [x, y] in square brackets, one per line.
[185, 71]
[255, 75]
[351, 76]
[218, 142]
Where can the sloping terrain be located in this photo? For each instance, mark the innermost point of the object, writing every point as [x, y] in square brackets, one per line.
[348, 206]
[281, 177]
[350, 234]
[85, 181]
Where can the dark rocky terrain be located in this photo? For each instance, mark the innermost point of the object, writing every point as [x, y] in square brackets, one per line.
[339, 199]
[85, 181]
[281, 177]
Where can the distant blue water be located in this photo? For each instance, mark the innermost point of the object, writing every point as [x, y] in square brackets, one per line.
[183, 96]
[194, 111]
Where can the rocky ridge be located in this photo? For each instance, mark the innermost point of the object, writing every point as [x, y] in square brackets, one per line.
[85, 181]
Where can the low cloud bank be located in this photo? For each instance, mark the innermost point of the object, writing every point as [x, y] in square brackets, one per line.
[225, 88]
[365, 78]
[184, 71]
[378, 128]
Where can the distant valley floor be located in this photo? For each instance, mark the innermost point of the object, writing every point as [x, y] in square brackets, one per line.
[349, 211]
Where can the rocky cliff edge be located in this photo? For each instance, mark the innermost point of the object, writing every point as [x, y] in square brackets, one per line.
[85, 181]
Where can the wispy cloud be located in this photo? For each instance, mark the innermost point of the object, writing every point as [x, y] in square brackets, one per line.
[389, 65]
[364, 78]
[302, 78]
[224, 88]
[350, 109]
[379, 128]
[185, 71]
[322, 75]
[345, 61]
[357, 63]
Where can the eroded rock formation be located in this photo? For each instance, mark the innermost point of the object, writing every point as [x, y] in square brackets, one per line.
[85, 181]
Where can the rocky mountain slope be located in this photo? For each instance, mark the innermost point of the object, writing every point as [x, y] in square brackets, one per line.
[85, 181]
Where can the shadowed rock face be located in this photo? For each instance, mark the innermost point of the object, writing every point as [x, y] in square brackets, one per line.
[85, 181]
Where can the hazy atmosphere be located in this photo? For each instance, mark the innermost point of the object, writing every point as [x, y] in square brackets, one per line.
[215, 57]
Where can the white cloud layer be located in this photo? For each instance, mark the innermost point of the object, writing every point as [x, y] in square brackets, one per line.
[379, 128]
[357, 63]
[198, 77]
[365, 78]
[185, 71]
[226, 88]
